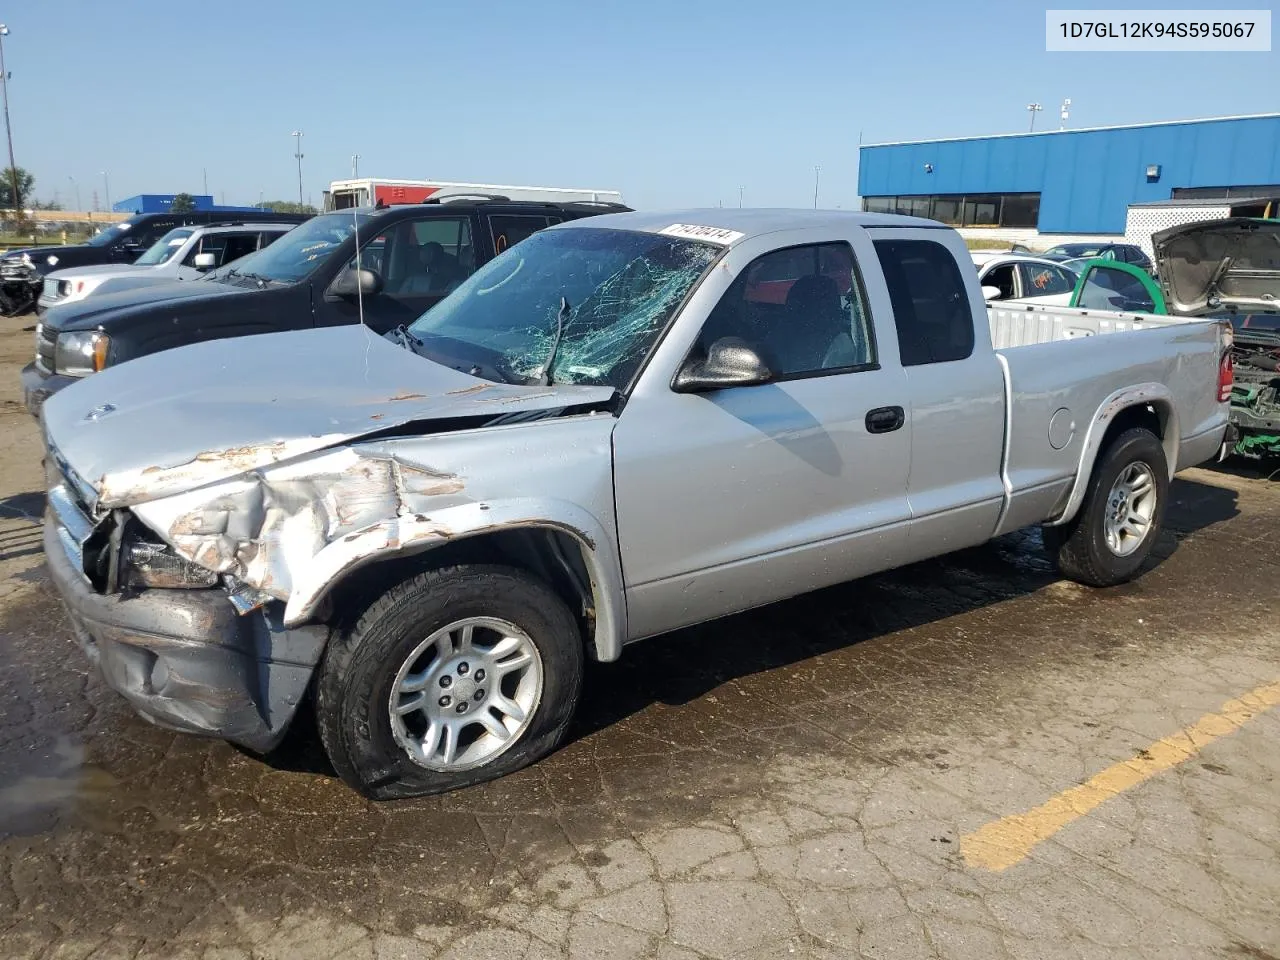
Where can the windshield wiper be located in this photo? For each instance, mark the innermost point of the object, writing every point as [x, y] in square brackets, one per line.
[562, 317]
[407, 339]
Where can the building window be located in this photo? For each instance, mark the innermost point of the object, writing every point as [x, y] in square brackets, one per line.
[946, 209]
[979, 210]
[1020, 210]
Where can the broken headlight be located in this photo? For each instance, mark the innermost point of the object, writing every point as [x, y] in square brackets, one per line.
[155, 565]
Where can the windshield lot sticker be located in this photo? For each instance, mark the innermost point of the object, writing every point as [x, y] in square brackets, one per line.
[692, 231]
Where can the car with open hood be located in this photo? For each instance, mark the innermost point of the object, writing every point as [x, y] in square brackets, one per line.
[618, 427]
[1231, 268]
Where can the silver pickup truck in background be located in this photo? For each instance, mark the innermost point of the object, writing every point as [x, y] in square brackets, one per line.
[619, 427]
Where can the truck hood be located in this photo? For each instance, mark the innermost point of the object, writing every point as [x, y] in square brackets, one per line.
[1220, 265]
[69, 256]
[95, 311]
[177, 420]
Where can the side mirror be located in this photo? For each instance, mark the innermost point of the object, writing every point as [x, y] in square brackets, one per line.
[356, 283]
[730, 362]
[990, 292]
[205, 261]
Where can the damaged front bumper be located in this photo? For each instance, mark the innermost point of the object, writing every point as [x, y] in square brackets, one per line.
[186, 659]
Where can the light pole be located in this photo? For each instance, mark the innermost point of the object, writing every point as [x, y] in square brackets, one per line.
[355, 165]
[740, 189]
[1062, 116]
[74, 183]
[8, 132]
[816, 170]
[106, 185]
[297, 153]
[1033, 109]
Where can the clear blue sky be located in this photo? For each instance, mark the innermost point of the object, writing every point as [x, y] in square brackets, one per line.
[674, 102]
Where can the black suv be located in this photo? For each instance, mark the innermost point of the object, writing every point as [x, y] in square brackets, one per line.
[410, 257]
[22, 271]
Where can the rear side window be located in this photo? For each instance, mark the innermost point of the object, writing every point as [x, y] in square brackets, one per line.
[510, 230]
[930, 303]
[1040, 280]
[1106, 288]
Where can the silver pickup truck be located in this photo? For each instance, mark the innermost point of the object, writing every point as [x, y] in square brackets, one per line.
[617, 428]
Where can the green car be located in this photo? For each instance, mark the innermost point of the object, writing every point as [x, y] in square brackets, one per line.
[1217, 269]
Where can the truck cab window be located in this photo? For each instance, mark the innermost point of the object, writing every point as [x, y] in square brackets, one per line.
[802, 308]
[930, 304]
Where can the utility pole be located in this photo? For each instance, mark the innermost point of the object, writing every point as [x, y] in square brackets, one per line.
[8, 131]
[816, 170]
[1033, 109]
[355, 165]
[106, 183]
[74, 183]
[204, 171]
[297, 153]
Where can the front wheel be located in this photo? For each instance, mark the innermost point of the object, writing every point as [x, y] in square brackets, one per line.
[450, 678]
[1118, 523]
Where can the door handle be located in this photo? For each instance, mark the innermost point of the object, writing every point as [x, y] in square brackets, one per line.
[885, 419]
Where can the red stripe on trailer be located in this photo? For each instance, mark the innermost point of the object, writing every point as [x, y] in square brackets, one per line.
[394, 193]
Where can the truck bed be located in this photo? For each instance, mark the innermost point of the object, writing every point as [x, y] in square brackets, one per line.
[1021, 324]
[1059, 377]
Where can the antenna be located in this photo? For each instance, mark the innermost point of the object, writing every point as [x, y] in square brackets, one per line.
[355, 222]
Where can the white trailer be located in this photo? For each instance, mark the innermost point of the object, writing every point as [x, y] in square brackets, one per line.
[368, 191]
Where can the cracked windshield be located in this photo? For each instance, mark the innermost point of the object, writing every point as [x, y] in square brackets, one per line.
[609, 293]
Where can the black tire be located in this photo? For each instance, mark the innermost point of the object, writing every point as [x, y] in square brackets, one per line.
[359, 668]
[1079, 546]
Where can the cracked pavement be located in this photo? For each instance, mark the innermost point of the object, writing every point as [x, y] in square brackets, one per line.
[793, 782]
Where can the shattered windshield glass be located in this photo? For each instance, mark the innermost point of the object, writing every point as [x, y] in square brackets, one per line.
[621, 287]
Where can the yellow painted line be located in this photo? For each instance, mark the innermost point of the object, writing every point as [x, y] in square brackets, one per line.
[1008, 841]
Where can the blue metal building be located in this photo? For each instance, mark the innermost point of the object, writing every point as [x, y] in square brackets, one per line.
[161, 202]
[1072, 181]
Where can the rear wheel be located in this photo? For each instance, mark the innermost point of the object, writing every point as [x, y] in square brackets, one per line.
[450, 678]
[1118, 523]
